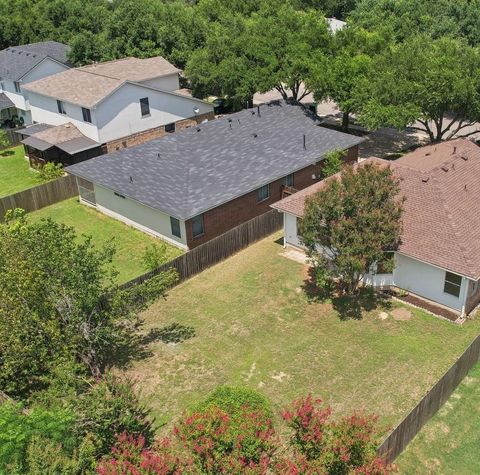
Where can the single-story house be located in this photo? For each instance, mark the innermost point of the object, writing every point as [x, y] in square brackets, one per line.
[438, 258]
[195, 185]
[114, 105]
[20, 65]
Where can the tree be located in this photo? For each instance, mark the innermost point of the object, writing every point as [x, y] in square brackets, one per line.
[4, 140]
[430, 85]
[59, 303]
[354, 218]
[332, 162]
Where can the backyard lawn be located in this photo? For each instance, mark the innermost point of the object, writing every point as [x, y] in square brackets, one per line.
[15, 172]
[449, 442]
[255, 325]
[130, 243]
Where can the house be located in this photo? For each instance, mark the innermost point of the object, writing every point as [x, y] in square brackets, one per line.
[438, 258]
[112, 105]
[195, 185]
[20, 65]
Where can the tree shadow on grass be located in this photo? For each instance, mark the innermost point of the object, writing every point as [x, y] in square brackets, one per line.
[347, 307]
[137, 347]
[7, 153]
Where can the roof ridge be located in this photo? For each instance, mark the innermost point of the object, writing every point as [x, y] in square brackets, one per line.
[451, 221]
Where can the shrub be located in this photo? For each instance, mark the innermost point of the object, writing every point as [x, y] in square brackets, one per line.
[154, 256]
[332, 163]
[231, 432]
[50, 171]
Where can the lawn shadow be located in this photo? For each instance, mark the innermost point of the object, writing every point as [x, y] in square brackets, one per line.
[7, 153]
[137, 346]
[347, 307]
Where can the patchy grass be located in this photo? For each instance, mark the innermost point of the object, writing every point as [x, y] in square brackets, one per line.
[15, 172]
[254, 325]
[130, 243]
[449, 442]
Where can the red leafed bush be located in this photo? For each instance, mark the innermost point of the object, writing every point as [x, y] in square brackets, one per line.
[131, 457]
[225, 443]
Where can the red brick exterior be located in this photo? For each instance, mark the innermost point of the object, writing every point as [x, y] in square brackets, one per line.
[224, 217]
[150, 134]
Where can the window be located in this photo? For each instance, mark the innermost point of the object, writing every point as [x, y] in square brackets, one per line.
[60, 107]
[263, 193]
[87, 116]
[197, 226]
[453, 283]
[144, 107]
[170, 127]
[17, 86]
[175, 225]
[288, 180]
[387, 264]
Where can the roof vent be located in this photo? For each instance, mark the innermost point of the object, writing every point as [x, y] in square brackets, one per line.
[304, 141]
[253, 112]
[230, 121]
[255, 136]
[131, 179]
[445, 168]
[428, 153]
[158, 156]
[198, 129]
[425, 179]
[67, 126]
[258, 111]
[464, 157]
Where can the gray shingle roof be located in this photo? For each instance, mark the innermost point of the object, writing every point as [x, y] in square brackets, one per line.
[5, 102]
[190, 172]
[16, 61]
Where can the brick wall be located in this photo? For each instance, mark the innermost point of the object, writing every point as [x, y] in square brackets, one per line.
[231, 214]
[150, 134]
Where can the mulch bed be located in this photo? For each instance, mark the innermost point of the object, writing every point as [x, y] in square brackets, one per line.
[430, 307]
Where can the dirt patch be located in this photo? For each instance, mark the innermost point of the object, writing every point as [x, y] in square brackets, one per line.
[280, 376]
[401, 314]
[383, 315]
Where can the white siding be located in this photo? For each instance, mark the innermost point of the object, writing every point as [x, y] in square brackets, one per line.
[138, 215]
[45, 68]
[16, 97]
[427, 281]
[166, 83]
[119, 115]
[44, 110]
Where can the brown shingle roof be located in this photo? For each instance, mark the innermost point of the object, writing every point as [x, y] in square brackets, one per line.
[441, 222]
[89, 85]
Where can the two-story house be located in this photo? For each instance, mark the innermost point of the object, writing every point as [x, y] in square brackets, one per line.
[20, 65]
[100, 108]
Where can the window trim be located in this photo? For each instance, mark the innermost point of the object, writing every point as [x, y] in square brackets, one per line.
[142, 105]
[87, 112]
[261, 200]
[61, 107]
[449, 283]
[284, 180]
[177, 222]
[195, 236]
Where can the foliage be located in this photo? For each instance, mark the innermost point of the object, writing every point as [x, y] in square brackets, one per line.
[231, 432]
[4, 140]
[18, 428]
[109, 408]
[155, 255]
[332, 162]
[326, 446]
[59, 304]
[353, 220]
[50, 171]
[434, 82]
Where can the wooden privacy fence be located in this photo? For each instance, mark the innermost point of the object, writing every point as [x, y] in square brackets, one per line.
[40, 196]
[397, 441]
[218, 249]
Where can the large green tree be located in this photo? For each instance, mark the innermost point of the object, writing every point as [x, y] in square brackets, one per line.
[430, 85]
[351, 221]
[59, 304]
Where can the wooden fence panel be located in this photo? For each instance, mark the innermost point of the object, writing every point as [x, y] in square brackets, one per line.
[218, 249]
[40, 196]
[399, 438]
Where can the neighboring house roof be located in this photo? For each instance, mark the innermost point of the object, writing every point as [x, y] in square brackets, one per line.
[16, 61]
[65, 137]
[33, 129]
[5, 102]
[190, 172]
[89, 85]
[441, 222]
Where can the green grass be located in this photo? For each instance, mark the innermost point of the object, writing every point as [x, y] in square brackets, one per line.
[449, 442]
[15, 172]
[255, 326]
[130, 243]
